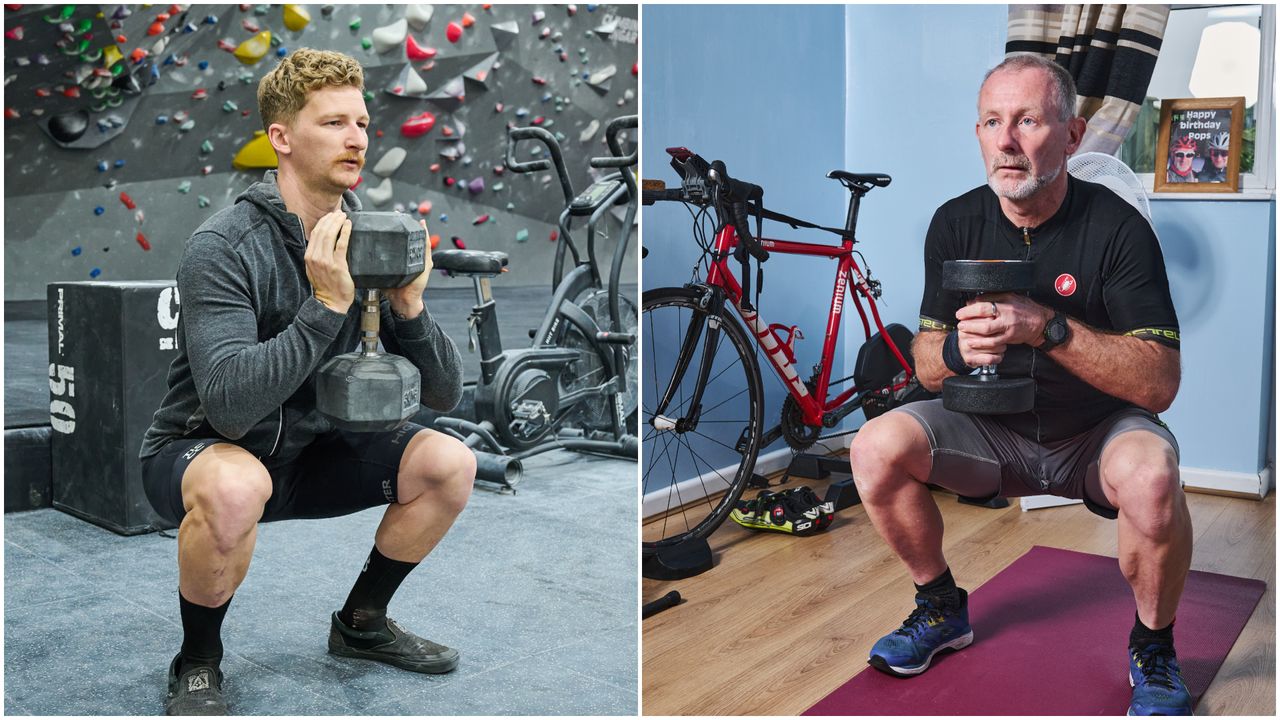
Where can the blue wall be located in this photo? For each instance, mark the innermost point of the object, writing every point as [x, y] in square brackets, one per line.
[905, 105]
[762, 88]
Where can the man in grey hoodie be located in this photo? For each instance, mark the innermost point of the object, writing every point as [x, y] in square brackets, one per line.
[267, 299]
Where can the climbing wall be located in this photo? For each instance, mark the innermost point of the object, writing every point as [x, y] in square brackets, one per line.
[127, 126]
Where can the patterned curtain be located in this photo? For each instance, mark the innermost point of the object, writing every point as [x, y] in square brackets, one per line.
[1110, 51]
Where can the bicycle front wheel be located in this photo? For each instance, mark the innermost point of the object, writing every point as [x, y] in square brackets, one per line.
[696, 460]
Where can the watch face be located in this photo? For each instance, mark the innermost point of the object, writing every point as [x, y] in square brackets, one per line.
[1057, 331]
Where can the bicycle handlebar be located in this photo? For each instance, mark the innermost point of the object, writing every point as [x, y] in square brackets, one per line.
[650, 197]
[739, 194]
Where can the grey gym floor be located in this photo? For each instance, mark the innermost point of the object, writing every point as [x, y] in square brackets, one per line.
[537, 589]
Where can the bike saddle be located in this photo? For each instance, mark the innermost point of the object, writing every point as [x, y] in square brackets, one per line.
[863, 180]
[470, 262]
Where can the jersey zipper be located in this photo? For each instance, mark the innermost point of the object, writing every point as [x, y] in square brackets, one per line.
[1026, 240]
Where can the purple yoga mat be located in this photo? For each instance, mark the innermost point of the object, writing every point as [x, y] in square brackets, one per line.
[1051, 633]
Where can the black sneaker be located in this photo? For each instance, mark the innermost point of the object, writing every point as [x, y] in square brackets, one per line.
[391, 644]
[198, 691]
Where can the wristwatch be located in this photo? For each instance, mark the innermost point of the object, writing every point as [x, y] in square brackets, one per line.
[1056, 332]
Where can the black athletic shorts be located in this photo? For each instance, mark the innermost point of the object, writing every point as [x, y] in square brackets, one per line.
[979, 457]
[338, 474]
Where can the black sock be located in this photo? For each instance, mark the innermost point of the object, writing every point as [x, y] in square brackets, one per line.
[201, 633]
[1141, 636]
[943, 587]
[366, 606]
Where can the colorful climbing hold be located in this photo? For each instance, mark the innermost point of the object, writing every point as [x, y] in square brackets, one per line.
[480, 220]
[142, 241]
[102, 166]
[94, 273]
[522, 235]
[453, 32]
[128, 201]
[555, 235]
[257, 153]
[538, 16]
[355, 23]
[434, 167]
[424, 207]
[458, 243]
[296, 17]
[200, 94]
[365, 43]
[75, 251]
[184, 187]
[202, 201]
[418, 125]
[435, 240]
[206, 147]
[416, 52]
[467, 20]
[99, 210]
[252, 50]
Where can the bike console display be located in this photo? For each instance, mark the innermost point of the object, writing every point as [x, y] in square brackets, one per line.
[590, 199]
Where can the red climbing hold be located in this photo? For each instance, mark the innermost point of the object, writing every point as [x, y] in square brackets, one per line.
[415, 51]
[467, 20]
[11, 114]
[142, 240]
[71, 92]
[539, 80]
[138, 55]
[457, 242]
[447, 131]
[538, 120]
[435, 167]
[424, 207]
[227, 45]
[418, 125]
[498, 108]
[377, 133]
[43, 92]
[435, 240]
[14, 34]
[200, 94]
[156, 28]
[453, 32]
[480, 220]
[499, 169]
[128, 201]
[449, 182]
[555, 235]
[635, 68]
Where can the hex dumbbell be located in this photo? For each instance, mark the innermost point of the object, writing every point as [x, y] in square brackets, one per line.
[986, 393]
[369, 391]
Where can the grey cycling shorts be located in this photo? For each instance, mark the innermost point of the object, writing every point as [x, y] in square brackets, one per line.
[977, 456]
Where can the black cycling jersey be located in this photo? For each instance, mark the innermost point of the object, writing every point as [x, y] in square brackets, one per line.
[1097, 260]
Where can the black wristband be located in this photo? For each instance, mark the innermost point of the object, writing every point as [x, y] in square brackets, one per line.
[951, 354]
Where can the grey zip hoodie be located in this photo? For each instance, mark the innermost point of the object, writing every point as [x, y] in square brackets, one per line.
[251, 334]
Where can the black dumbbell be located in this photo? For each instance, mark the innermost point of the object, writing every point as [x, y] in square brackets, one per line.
[986, 393]
[369, 391]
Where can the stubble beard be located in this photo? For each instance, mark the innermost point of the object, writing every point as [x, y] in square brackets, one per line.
[1019, 190]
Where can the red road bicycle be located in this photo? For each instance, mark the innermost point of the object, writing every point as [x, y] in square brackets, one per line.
[702, 405]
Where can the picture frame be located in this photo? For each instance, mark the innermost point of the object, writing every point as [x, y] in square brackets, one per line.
[1190, 154]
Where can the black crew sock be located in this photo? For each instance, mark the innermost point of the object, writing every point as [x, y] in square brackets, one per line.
[201, 633]
[1141, 636]
[944, 588]
[366, 607]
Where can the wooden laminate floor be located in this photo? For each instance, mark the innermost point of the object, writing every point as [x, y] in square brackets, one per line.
[780, 622]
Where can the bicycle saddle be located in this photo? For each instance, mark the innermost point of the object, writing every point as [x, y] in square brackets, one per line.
[470, 262]
[848, 178]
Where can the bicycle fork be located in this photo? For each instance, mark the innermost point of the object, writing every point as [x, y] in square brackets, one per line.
[712, 304]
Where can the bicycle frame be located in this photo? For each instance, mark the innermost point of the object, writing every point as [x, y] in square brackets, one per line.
[813, 405]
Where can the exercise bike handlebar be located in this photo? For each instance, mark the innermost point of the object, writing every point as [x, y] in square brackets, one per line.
[515, 135]
[617, 159]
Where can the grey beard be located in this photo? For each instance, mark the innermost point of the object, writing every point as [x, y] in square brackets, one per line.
[1029, 187]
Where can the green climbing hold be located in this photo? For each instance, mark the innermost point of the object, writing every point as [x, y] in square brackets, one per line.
[368, 96]
[206, 147]
[355, 24]
[261, 10]
[184, 187]
[203, 201]
[522, 235]
[230, 106]
[366, 43]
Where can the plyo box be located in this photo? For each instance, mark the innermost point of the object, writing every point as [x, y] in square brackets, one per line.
[110, 347]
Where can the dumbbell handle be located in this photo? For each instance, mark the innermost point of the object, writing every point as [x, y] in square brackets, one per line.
[369, 323]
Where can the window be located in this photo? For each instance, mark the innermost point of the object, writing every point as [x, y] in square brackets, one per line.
[1215, 51]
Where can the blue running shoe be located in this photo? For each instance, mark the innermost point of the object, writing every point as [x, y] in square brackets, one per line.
[1157, 682]
[931, 628]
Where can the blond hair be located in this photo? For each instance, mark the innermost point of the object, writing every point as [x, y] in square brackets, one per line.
[283, 91]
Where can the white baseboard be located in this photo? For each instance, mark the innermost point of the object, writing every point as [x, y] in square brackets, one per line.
[694, 489]
[1255, 485]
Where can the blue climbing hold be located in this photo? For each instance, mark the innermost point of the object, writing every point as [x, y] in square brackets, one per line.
[444, 218]
[204, 64]
[102, 166]
[75, 251]
[120, 163]
[95, 272]
[99, 210]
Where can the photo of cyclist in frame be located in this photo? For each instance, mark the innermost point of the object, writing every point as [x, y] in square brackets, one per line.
[1216, 158]
[1182, 158]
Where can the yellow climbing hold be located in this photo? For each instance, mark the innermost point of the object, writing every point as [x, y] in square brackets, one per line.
[257, 153]
[111, 55]
[253, 49]
[296, 17]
